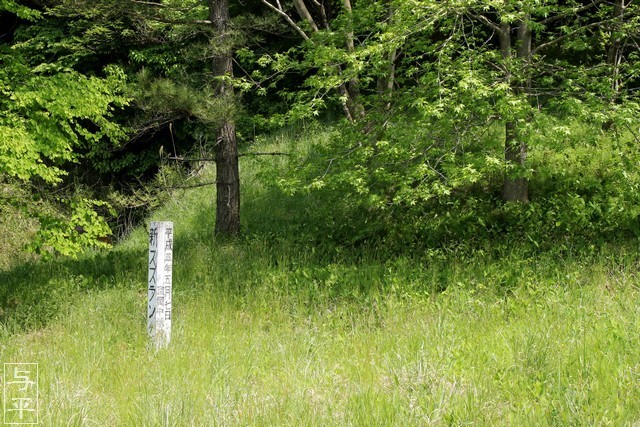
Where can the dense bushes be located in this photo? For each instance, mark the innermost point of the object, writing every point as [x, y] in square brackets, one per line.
[426, 187]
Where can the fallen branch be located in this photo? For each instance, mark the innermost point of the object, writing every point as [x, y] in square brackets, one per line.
[208, 159]
[180, 187]
[273, 153]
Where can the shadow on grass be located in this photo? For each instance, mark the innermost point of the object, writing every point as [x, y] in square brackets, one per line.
[33, 294]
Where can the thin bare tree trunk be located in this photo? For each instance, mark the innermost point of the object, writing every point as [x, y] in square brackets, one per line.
[614, 52]
[303, 11]
[386, 82]
[353, 85]
[226, 150]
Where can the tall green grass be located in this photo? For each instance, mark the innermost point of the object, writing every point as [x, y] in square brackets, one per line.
[280, 327]
[16, 231]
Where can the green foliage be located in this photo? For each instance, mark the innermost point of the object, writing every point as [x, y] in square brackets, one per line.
[20, 10]
[170, 98]
[584, 188]
[49, 117]
[425, 164]
[53, 117]
[72, 227]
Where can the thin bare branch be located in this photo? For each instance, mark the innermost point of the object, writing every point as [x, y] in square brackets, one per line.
[327, 170]
[567, 35]
[210, 159]
[488, 22]
[182, 187]
[268, 153]
[282, 13]
[149, 3]
[571, 12]
[323, 13]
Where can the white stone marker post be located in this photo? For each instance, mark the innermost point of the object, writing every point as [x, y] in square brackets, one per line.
[160, 282]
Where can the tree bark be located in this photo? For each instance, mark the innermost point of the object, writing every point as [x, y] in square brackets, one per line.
[516, 189]
[614, 52]
[303, 11]
[385, 83]
[226, 149]
[353, 85]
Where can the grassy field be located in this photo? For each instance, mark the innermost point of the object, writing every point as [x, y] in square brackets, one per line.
[267, 332]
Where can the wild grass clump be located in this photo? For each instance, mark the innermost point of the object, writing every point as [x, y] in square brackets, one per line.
[16, 231]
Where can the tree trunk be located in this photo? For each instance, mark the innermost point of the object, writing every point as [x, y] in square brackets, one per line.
[226, 149]
[515, 153]
[303, 11]
[353, 85]
[385, 83]
[516, 189]
[614, 52]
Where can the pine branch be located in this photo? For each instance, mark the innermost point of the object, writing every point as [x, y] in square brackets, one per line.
[181, 21]
[171, 21]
